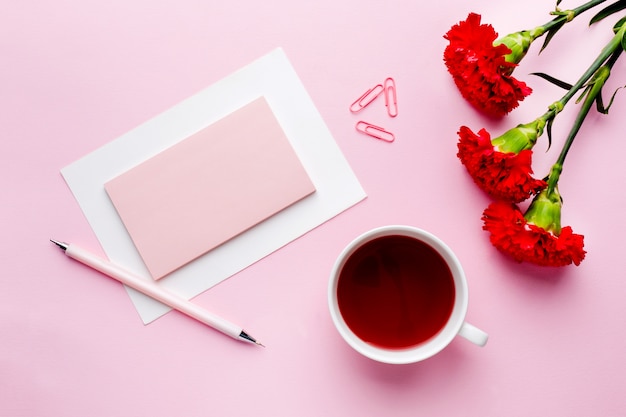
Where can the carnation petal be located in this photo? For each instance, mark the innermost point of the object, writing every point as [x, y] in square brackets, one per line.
[480, 70]
[524, 242]
[504, 176]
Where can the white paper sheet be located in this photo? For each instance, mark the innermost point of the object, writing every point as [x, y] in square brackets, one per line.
[271, 76]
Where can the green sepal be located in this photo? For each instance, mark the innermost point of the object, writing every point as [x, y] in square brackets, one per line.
[519, 138]
[545, 211]
[607, 11]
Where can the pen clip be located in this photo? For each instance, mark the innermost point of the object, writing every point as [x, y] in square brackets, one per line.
[375, 131]
[391, 98]
[369, 96]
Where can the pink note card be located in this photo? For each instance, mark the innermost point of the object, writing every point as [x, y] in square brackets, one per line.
[208, 188]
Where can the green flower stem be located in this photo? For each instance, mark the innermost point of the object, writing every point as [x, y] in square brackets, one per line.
[600, 73]
[522, 40]
[565, 16]
[519, 42]
[606, 54]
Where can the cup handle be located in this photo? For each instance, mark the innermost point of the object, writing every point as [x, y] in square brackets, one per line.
[473, 334]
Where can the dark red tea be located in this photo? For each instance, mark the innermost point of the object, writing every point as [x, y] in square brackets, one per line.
[395, 292]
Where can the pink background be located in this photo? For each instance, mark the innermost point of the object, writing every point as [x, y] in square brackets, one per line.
[77, 74]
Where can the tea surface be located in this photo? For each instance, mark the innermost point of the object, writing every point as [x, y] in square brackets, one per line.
[395, 292]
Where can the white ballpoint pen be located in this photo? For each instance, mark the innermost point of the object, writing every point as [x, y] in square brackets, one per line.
[156, 292]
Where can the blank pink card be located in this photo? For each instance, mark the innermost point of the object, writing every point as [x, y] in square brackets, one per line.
[208, 188]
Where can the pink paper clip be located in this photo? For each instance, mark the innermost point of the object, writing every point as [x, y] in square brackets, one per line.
[375, 131]
[391, 98]
[369, 96]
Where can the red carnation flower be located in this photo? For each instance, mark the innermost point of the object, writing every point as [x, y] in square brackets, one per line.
[525, 241]
[503, 175]
[480, 70]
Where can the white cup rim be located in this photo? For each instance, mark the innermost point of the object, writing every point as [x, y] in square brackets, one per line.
[427, 348]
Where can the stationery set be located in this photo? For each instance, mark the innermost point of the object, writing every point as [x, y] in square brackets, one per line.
[211, 186]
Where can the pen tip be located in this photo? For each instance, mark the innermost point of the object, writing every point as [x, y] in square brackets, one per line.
[245, 336]
[59, 244]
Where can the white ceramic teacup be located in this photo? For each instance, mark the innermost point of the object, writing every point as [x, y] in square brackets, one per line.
[453, 326]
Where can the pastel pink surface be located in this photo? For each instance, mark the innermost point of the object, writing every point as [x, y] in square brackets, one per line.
[79, 74]
[209, 188]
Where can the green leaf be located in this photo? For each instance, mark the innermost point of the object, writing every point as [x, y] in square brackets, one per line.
[607, 11]
[551, 34]
[600, 106]
[619, 24]
[555, 81]
[583, 95]
[549, 132]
